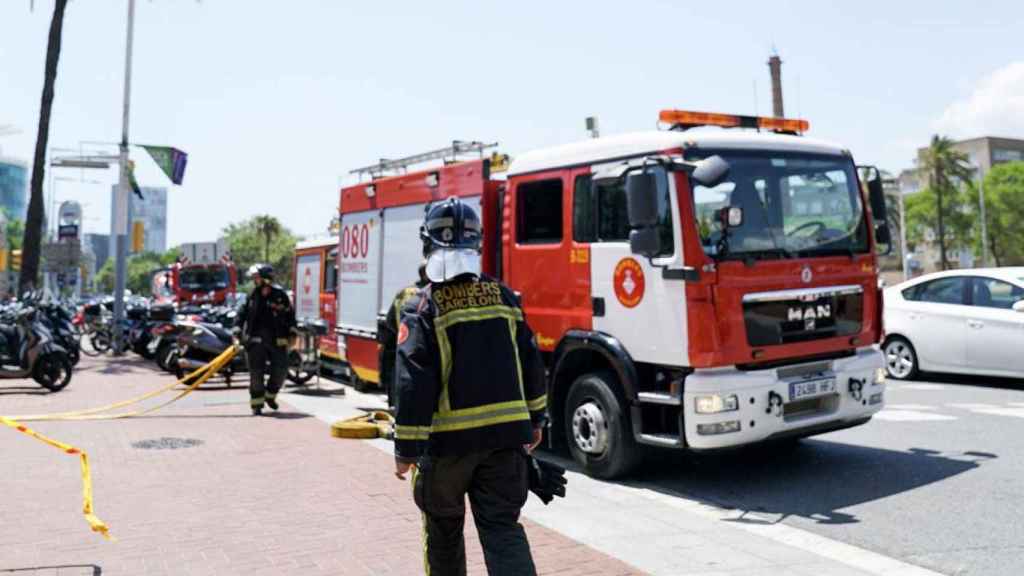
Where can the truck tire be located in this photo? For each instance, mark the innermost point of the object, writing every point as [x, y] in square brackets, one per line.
[597, 427]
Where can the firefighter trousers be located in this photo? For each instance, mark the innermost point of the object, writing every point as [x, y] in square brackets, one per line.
[259, 353]
[496, 482]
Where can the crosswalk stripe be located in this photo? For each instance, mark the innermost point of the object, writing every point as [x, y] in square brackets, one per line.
[911, 416]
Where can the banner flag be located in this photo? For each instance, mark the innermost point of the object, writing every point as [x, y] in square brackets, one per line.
[171, 160]
[132, 181]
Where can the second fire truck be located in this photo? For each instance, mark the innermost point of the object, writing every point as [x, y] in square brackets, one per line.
[690, 288]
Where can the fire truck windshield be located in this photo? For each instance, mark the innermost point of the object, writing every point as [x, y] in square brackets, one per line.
[793, 205]
[204, 279]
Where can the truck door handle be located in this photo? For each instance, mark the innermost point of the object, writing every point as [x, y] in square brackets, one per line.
[975, 323]
[598, 304]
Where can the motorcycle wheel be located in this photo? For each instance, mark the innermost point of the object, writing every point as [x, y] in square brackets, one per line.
[166, 352]
[74, 354]
[52, 371]
[100, 342]
[295, 372]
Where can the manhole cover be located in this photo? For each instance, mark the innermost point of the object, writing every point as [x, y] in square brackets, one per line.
[166, 443]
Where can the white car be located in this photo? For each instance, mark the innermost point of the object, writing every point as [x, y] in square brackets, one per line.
[962, 321]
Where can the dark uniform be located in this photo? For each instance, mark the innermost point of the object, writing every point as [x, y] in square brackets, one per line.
[268, 322]
[387, 334]
[470, 392]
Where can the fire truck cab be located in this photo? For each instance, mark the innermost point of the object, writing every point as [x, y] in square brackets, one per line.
[690, 289]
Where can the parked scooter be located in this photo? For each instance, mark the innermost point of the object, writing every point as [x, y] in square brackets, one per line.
[204, 342]
[28, 350]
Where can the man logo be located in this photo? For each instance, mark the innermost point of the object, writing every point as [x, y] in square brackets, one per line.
[809, 315]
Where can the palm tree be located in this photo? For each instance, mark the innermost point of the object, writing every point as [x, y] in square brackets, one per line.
[945, 166]
[268, 227]
[34, 221]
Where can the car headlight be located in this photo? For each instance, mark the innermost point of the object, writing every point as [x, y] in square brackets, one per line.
[714, 404]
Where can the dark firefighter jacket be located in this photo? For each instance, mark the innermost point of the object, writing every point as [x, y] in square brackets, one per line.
[268, 317]
[387, 334]
[469, 374]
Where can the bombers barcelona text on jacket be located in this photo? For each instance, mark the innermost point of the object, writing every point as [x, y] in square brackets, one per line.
[469, 374]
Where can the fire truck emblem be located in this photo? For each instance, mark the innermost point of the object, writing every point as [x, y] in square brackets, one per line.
[806, 275]
[629, 282]
[307, 281]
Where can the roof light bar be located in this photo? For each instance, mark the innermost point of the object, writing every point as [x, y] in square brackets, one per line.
[683, 119]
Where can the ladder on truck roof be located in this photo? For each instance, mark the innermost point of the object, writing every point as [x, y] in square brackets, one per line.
[448, 154]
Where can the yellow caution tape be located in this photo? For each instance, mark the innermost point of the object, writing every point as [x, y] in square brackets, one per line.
[201, 375]
[95, 523]
[376, 424]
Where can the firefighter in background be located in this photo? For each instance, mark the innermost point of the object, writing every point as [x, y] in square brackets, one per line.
[267, 323]
[387, 333]
[470, 400]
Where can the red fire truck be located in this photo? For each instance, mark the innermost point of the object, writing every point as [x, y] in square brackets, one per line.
[691, 288]
[203, 274]
[315, 276]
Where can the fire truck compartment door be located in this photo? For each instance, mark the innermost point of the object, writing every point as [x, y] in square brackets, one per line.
[645, 312]
[307, 286]
[359, 289]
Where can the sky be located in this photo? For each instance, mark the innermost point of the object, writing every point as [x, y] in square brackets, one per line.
[275, 101]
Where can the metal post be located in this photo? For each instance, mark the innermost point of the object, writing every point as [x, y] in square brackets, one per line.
[903, 237]
[119, 227]
[984, 223]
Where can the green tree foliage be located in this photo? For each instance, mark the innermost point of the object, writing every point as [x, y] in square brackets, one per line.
[958, 216]
[945, 168]
[262, 239]
[139, 273]
[1004, 213]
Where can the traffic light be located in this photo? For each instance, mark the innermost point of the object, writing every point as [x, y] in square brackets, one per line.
[16, 260]
[138, 236]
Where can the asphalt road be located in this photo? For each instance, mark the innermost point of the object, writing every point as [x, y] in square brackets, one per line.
[936, 479]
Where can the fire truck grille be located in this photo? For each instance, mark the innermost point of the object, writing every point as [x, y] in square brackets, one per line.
[783, 321]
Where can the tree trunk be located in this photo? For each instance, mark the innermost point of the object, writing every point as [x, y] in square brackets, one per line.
[34, 219]
[266, 248]
[941, 227]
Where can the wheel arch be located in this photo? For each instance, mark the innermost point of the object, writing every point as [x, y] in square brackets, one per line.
[583, 351]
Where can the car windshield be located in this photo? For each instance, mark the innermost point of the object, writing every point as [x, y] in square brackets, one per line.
[793, 205]
[203, 279]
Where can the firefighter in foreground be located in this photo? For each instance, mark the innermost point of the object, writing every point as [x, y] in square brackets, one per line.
[387, 333]
[267, 322]
[470, 401]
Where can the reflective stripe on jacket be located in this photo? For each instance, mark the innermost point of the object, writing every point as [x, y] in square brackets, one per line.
[469, 374]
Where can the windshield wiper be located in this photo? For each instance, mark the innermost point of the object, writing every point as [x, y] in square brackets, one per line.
[750, 256]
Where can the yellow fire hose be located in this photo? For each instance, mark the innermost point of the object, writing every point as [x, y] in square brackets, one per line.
[201, 375]
[376, 424]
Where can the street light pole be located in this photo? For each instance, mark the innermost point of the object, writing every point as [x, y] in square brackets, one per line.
[119, 226]
[984, 222]
[903, 237]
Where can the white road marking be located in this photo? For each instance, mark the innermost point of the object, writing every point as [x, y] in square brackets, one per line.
[1015, 412]
[909, 407]
[911, 416]
[972, 406]
[922, 387]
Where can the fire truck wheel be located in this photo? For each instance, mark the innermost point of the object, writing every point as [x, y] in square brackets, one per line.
[599, 434]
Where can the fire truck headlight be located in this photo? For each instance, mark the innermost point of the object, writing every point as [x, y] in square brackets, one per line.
[879, 377]
[718, 428]
[714, 404]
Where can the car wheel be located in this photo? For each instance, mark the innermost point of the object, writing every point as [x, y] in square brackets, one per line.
[597, 427]
[900, 359]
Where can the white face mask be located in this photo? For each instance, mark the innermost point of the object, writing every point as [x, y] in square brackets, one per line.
[444, 264]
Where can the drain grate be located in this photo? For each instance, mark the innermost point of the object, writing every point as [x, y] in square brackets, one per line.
[166, 443]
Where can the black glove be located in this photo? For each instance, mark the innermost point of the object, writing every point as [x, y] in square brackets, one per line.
[547, 480]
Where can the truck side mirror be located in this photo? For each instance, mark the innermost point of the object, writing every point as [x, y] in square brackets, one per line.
[645, 241]
[642, 200]
[710, 171]
[879, 211]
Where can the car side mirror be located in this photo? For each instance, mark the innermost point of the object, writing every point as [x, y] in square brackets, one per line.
[731, 217]
[1018, 306]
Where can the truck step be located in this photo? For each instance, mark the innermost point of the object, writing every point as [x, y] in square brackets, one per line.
[659, 398]
[662, 440]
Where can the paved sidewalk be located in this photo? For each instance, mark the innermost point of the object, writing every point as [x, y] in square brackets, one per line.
[273, 495]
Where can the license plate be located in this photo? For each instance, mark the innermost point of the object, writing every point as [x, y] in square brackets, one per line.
[811, 388]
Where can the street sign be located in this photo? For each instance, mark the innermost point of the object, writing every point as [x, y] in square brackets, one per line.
[65, 231]
[59, 256]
